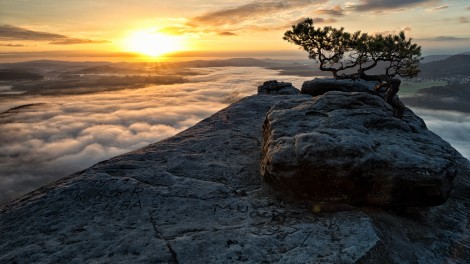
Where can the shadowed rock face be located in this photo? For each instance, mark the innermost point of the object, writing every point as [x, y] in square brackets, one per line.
[319, 86]
[348, 147]
[274, 87]
[198, 197]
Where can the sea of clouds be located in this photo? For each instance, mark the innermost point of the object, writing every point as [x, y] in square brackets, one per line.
[68, 133]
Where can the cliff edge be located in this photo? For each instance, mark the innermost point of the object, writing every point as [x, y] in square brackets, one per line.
[199, 197]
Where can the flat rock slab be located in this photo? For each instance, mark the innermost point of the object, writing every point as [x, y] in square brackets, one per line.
[348, 147]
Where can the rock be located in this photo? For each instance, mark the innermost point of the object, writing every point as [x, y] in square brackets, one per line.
[194, 198]
[198, 197]
[275, 87]
[348, 148]
[319, 86]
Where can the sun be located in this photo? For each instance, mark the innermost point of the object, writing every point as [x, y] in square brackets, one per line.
[152, 43]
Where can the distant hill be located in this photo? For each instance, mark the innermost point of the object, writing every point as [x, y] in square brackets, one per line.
[44, 66]
[14, 75]
[451, 66]
[431, 58]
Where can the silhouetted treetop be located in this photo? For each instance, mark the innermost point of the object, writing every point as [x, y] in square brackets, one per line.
[339, 51]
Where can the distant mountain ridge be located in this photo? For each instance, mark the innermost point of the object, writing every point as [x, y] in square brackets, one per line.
[451, 66]
[433, 66]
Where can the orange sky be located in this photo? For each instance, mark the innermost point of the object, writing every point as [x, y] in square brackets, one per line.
[106, 29]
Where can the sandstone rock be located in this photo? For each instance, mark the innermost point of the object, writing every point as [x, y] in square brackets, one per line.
[319, 86]
[198, 197]
[348, 147]
[275, 87]
[194, 198]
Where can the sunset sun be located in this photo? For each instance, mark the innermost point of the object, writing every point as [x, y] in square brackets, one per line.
[153, 44]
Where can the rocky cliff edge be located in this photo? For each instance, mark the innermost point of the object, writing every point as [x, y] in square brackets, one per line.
[199, 197]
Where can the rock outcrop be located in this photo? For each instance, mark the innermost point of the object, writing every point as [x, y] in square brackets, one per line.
[198, 197]
[274, 87]
[348, 147]
[319, 86]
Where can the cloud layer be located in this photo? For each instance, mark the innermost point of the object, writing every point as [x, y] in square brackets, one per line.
[267, 15]
[45, 142]
[250, 11]
[451, 126]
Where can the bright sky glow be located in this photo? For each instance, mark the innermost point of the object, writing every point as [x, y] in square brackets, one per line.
[152, 44]
[49, 27]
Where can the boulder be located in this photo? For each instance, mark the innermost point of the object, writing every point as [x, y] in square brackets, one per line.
[348, 148]
[319, 86]
[275, 87]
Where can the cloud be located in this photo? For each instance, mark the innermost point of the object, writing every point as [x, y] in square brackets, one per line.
[267, 15]
[320, 20]
[67, 133]
[446, 38]
[316, 20]
[178, 30]
[451, 126]
[12, 45]
[407, 28]
[227, 33]
[73, 41]
[393, 32]
[463, 19]
[336, 11]
[384, 5]
[251, 11]
[434, 9]
[18, 33]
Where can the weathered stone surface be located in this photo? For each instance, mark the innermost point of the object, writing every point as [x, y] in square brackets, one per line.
[198, 197]
[348, 147]
[274, 87]
[319, 86]
[194, 198]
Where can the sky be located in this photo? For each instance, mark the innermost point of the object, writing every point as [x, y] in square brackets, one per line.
[97, 28]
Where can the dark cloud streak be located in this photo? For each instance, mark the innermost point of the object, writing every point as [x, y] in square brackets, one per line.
[227, 33]
[12, 45]
[384, 5]
[335, 11]
[18, 33]
[10, 32]
[73, 41]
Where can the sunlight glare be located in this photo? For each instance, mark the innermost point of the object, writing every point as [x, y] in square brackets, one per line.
[152, 43]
